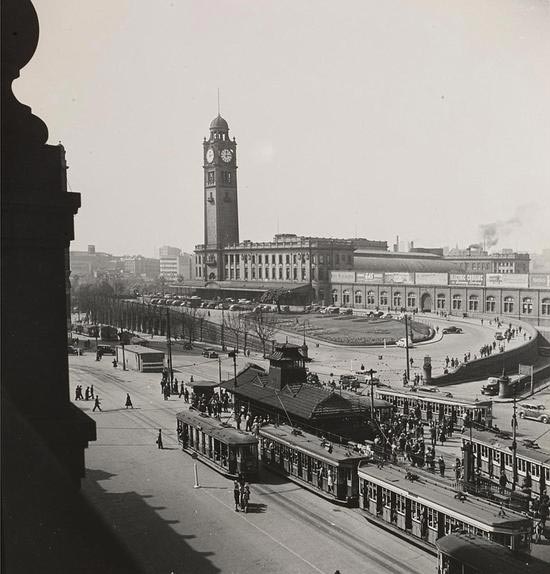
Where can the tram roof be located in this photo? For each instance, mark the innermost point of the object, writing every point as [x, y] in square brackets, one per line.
[310, 444]
[435, 397]
[500, 441]
[487, 556]
[216, 429]
[434, 495]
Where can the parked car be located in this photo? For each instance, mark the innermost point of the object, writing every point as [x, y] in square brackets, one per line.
[72, 350]
[534, 412]
[210, 354]
[403, 343]
[499, 336]
[187, 346]
[106, 349]
[453, 329]
[490, 389]
[345, 310]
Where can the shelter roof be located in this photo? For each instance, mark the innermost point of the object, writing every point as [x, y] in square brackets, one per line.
[140, 350]
[301, 400]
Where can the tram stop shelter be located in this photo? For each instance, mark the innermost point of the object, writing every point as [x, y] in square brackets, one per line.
[140, 358]
[283, 394]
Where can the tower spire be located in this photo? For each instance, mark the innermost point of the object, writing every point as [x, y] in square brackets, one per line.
[219, 101]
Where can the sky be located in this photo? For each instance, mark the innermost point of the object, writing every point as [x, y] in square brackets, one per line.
[427, 119]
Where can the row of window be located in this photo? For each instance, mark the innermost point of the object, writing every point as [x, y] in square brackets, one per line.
[289, 274]
[441, 301]
[281, 258]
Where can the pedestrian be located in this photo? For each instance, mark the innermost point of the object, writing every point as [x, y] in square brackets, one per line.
[159, 440]
[245, 497]
[77, 393]
[441, 464]
[91, 391]
[238, 421]
[96, 404]
[115, 364]
[237, 494]
[129, 401]
[502, 482]
[87, 394]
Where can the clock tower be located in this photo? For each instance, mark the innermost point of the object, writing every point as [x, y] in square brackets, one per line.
[221, 214]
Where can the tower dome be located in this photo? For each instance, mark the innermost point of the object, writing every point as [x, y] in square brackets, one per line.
[218, 123]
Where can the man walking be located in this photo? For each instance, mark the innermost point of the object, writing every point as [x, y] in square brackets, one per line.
[159, 440]
[237, 494]
[96, 404]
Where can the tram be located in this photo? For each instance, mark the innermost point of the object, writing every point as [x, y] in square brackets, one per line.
[463, 553]
[327, 469]
[436, 406]
[425, 510]
[231, 452]
[493, 454]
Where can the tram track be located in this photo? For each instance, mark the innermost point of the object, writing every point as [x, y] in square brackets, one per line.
[335, 532]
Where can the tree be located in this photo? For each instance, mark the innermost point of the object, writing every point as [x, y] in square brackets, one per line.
[265, 326]
[234, 323]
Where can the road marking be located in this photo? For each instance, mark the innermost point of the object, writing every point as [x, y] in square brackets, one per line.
[282, 544]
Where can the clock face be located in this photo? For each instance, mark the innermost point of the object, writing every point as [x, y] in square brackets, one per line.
[226, 155]
[210, 155]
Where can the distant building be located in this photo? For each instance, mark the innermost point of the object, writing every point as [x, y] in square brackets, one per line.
[145, 267]
[88, 264]
[175, 265]
[476, 260]
[223, 263]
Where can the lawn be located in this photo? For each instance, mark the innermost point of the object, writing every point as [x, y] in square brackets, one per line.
[350, 330]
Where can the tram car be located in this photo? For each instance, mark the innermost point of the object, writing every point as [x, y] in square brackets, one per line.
[435, 406]
[425, 510]
[493, 454]
[231, 452]
[327, 469]
[463, 553]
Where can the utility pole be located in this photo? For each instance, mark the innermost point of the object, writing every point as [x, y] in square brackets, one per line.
[407, 347]
[371, 373]
[514, 444]
[169, 345]
[220, 368]
[233, 354]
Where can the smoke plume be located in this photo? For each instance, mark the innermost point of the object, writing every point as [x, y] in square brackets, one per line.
[492, 233]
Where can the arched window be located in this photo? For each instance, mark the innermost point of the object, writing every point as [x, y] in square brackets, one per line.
[440, 301]
[508, 304]
[411, 300]
[457, 302]
[490, 304]
[527, 305]
[545, 307]
[334, 296]
[345, 297]
[358, 297]
[397, 299]
[370, 298]
[383, 297]
[473, 303]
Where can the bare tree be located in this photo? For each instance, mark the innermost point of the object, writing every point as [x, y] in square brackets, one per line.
[265, 325]
[234, 322]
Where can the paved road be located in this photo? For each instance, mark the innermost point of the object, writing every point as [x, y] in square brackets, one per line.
[147, 496]
[329, 358]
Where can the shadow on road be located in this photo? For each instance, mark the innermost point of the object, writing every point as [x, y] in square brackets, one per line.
[150, 539]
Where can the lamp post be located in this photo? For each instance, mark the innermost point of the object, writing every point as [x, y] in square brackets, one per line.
[371, 373]
[407, 347]
[169, 346]
[514, 443]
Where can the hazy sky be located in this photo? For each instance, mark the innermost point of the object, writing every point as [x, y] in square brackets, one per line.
[423, 119]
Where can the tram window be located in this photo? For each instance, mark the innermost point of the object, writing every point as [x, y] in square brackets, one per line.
[508, 460]
[521, 465]
[432, 518]
[416, 510]
[484, 452]
[400, 503]
[535, 470]
[371, 490]
[386, 498]
[547, 471]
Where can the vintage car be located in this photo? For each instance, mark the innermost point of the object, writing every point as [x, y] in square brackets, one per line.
[535, 412]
